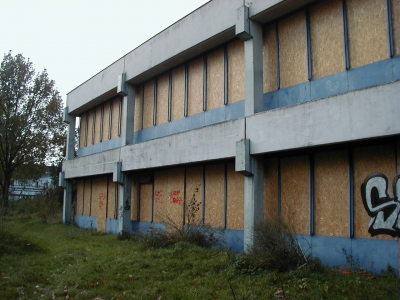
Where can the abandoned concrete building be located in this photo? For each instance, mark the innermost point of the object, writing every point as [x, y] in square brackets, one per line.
[270, 108]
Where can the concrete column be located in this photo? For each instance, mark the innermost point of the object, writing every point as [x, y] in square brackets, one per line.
[125, 205]
[253, 201]
[251, 167]
[253, 58]
[70, 154]
[68, 194]
[128, 111]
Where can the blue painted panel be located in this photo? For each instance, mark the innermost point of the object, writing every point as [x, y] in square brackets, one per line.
[111, 144]
[215, 115]
[143, 226]
[177, 126]
[137, 137]
[88, 222]
[97, 147]
[195, 121]
[85, 151]
[234, 110]
[294, 94]
[112, 225]
[371, 74]
[329, 85]
[375, 255]
[233, 239]
[148, 134]
[396, 67]
[161, 130]
[271, 100]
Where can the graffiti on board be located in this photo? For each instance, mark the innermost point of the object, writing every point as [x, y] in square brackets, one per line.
[383, 209]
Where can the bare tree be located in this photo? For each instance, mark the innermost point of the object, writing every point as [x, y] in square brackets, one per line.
[31, 129]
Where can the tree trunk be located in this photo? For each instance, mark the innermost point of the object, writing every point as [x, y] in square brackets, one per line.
[6, 189]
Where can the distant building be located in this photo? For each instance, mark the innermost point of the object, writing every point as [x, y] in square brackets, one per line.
[284, 108]
[25, 189]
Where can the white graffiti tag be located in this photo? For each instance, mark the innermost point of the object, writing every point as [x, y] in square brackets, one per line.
[383, 210]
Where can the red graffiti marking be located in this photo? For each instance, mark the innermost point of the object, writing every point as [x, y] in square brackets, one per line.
[157, 196]
[102, 197]
[175, 197]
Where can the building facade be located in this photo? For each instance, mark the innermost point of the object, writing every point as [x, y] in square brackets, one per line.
[273, 108]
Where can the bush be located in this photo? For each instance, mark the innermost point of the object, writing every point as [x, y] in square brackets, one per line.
[202, 236]
[275, 247]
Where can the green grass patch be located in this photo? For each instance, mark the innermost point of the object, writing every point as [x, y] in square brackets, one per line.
[41, 259]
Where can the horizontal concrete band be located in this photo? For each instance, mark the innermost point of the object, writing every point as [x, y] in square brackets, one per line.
[212, 142]
[377, 73]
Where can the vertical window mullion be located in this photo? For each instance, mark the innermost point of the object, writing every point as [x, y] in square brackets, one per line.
[101, 122]
[225, 75]
[110, 120]
[119, 116]
[345, 36]
[155, 102]
[308, 35]
[185, 104]
[205, 83]
[390, 27]
[278, 69]
[169, 96]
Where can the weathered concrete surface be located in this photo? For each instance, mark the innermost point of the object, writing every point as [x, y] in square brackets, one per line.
[363, 114]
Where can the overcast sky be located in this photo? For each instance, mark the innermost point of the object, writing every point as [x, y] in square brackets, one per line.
[75, 39]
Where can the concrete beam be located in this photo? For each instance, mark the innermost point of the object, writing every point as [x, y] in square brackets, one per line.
[357, 115]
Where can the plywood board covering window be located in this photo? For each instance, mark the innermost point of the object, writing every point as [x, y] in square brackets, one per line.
[87, 196]
[396, 26]
[236, 78]
[82, 131]
[148, 104]
[195, 86]
[331, 193]
[111, 209]
[295, 193]
[161, 196]
[367, 28]
[234, 198]
[90, 125]
[368, 160]
[106, 121]
[176, 192]
[116, 109]
[162, 99]
[134, 198]
[97, 131]
[326, 26]
[99, 201]
[269, 59]
[293, 50]
[137, 120]
[214, 195]
[215, 79]
[178, 93]
[271, 188]
[79, 197]
[146, 199]
[194, 187]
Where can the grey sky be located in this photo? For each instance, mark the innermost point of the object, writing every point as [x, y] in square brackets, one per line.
[75, 39]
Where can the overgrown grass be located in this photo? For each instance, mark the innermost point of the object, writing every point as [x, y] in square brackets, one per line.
[43, 259]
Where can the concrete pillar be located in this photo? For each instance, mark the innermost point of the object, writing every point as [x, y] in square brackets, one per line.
[128, 111]
[124, 201]
[251, 33]
[70, 154]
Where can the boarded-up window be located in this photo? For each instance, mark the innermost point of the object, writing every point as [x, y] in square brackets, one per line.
[178, 93]
[162, 99]
[83, 130]
[331, 192]
[116, 115]
[326, 28]
[234, 198]
[293, 50]
[369, 160]
[195, 86]
[97, 125]
[271, 188]
[367, 29]
[295, 193]
[214, 195]
[87, 196]
[215, 79]
[106, 121]
[194, 187]
[396, 26]
[79, 197]
[146, 202]
[99, 201]
[235, 51]
[269, 59]
[148, 104]
[137, 120]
